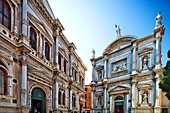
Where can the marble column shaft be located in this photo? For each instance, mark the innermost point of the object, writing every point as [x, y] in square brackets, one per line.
[24, 17]
[55, 94]
[134, 57]
[24, 84]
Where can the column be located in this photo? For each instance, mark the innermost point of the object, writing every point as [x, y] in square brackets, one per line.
[51, 99]
[158, 48]
[151, 60]
[106, 65]
[70, 95]
[139, 97]
[93, 71]
[133, 93]
[10, 86]
[24, 17]
[140, 63]
[40, 46]
[70, 61]
[110, 104]
[24, 82]
[134, 56]
[150, 97]
[15, 21]
[105, 97]
[158, 94]
[43, 47]
[51, 53]
[92, 99]
[126, 103]
[55, 94]
[24, 26]
[56, 49]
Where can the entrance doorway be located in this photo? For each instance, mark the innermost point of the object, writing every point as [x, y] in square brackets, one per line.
[119, 104]
[38, 101]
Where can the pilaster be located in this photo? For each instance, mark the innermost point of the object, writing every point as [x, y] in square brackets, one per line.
[134, 68]
[105, 98]
[24, 18]
[24, 91]
[133, 93]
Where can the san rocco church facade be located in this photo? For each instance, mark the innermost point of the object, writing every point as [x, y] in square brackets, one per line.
[40, 72]
[125, 79]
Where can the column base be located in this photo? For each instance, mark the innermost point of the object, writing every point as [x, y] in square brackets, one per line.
[133, 110]
[157, 110]
[105, 110]
[158, 66]
[24, 109]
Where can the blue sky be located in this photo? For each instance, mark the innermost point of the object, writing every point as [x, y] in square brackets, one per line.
[91, 23]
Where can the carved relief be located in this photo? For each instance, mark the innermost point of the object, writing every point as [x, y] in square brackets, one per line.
[119, 66]
[98, 99]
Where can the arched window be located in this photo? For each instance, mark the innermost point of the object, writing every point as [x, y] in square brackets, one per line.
[2, 82]
[59, 97]
[33, 38]
[63, 98]
[47, 51]
[5, 14]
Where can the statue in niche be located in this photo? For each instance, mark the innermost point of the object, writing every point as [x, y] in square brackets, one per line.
[145, 63]
[99, 101]
[145, 97]
[99, 74]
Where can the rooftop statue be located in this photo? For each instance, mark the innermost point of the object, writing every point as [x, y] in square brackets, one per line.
[118, 31]
[93, 53]
[158, 20]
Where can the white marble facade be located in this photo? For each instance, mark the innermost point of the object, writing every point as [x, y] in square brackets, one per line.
[39, 68]
[125, 79]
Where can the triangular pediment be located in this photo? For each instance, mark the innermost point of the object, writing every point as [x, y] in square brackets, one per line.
[119, 88]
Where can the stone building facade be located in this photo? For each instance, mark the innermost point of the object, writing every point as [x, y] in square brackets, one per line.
[125, 79]
[87, 104]
[39, 68]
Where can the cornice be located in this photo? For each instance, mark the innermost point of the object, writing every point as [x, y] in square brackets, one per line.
[145, 38]
[43, 11]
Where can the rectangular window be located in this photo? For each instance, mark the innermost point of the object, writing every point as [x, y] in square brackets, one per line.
[85, 89]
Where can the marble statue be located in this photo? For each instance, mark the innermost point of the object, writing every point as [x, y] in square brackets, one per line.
[118, 31]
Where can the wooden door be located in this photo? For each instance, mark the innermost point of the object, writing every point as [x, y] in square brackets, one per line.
[119, 109]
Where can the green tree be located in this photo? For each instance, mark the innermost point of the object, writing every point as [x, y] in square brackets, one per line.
[165, 79]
